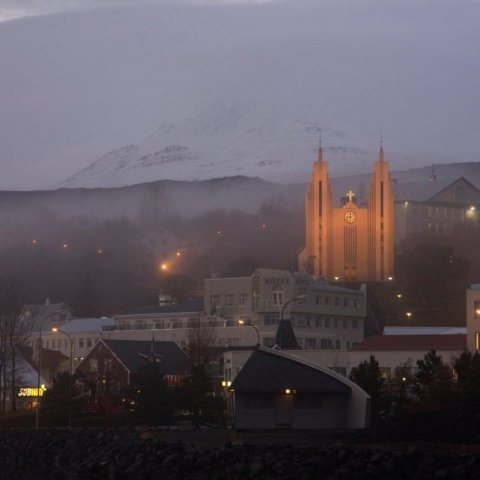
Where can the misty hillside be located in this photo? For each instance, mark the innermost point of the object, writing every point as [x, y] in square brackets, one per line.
[187, 199]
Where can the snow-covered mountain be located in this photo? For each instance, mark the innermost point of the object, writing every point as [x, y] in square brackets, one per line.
[226, 140]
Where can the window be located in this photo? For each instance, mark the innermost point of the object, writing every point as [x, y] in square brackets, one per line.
[327, 300]
[229, 299]
[346, 302]
[318, 322]
[337, 345]
[335, 323]
[326, 344]
[271, 320]
[477, 340]
[318, 300]
[327, 323]
[355, 323]
[139, 325]
[215, 300]
[242, 299]
[89, 342]
[310, 343]
[159, 324]
[345, 323]
[277, 297]
[93, 365]
[81, 342]
[356, 303]
[476, 309]
[337, 301]
[107, 364]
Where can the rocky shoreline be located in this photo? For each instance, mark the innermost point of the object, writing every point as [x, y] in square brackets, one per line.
[117, 454]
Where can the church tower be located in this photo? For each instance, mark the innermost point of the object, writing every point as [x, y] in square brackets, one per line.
[349, 242]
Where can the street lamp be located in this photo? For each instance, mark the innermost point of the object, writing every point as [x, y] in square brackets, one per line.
[57, 330]
[37, 412]
[299, 297]
[250, 324]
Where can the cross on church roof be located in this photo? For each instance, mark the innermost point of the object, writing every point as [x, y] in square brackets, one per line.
[350, 195]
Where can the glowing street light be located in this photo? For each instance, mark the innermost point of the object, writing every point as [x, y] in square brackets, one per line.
[408, 314]
[250, 324]
[178, 254]
[65, 246]
[399, 295]
[164, 267]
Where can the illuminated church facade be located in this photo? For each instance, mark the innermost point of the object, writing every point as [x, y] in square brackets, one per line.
[351, 243]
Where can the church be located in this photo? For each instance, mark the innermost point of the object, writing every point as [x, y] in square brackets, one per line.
[349, 242]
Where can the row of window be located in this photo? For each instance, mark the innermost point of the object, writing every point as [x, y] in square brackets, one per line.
[64, 343]
[337, 301]
[313, 343]
[318, 322]
[231, 299]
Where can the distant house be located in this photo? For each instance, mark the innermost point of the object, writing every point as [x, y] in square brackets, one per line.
[439, 207]
[109, 366]
[52, 362]
[279, 390]
[44, 316]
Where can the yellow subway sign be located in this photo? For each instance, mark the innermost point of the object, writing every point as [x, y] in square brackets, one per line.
[31, 391]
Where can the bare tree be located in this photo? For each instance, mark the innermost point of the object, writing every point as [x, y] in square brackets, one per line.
[202, 334]
[12, 334]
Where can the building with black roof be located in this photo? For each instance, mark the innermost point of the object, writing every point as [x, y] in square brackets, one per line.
[275, 389]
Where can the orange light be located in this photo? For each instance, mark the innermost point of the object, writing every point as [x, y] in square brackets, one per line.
[178, 254]
[164, 267]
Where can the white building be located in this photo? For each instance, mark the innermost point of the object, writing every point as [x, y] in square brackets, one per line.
[326, 317]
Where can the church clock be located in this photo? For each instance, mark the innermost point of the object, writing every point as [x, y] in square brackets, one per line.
[350, 216]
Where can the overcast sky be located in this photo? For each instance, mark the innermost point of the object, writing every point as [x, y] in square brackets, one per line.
[76, 82]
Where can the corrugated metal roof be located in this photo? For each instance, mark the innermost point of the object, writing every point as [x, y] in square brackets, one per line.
[173, 359]
[413, 342]
[270, 372]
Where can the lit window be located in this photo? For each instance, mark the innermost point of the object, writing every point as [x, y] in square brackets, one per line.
[476, 307]
[477, 341]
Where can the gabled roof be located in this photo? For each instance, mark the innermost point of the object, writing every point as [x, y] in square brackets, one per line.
[133, 353]
[413, 342]
[267, 370]
[189, 307]
[427, 190]
[51, 359]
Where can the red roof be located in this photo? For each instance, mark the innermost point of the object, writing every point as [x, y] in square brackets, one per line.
[414, 342]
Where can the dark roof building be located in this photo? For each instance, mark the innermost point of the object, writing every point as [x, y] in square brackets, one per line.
[279, 390]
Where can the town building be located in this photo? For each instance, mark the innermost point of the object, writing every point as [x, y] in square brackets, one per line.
[473, 317]
[75, 337]
[323, 315]
[440, 207]
[34, 318]
[277, 390]
[349, 242]
[108, 368]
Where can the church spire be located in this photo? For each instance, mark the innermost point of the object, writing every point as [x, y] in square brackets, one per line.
[320, 149]
[380, 155]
